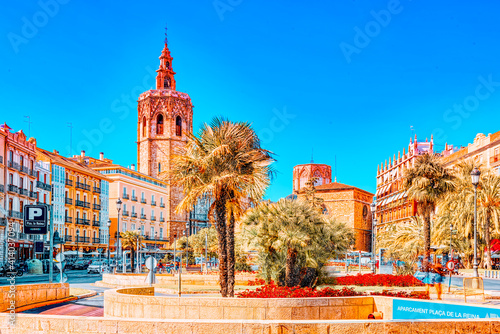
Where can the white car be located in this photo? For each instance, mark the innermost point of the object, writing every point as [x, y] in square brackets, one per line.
[96, 267]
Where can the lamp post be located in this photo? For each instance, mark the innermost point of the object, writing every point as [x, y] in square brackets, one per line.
[373, 207]
[77, 237]
[206, 250]
[187, 243]
[109, 235]
[118, 248]
[156, 237]
[475, 181]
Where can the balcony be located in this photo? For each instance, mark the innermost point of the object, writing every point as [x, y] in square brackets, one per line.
[2, 188]
[162, 205]
[125, 214]
[97, 240]
[68, 219]
[68, 238]
[43, 186]
[134, 198]
[68, 201]
[97, 190]
[96, 223]
[32, 194]
[153, 203]
[96, 206]
[13, 165]
[82, 239]
[14, 214]
[24, 169]
[143, 216]
[83, 204]
[1, 159]
[32, 172]
[134, 214]
[24, 192]
[69, 183]
[162, 220]
[12, 188]
[143, 201]
[83, 186]
[83, 221]
[153, 218]
[125, 196]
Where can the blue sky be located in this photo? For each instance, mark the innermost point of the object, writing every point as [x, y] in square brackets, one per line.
[345, 78]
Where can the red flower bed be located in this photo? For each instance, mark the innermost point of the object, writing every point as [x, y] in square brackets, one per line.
[274, 291]
[257, 281]
[377, 280]
[403, 294]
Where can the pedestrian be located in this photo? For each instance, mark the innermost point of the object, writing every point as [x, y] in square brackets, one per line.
[439, 275]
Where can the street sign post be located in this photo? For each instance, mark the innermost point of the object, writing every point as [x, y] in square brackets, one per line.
[35, 219]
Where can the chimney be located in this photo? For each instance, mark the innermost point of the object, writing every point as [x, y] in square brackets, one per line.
[82, 154]
[133, 167]
[101, 156]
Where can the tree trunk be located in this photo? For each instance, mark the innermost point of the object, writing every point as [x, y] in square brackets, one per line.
[487, 239]
[220, 214]
[426, 217]
[291, 259]
[230, 256]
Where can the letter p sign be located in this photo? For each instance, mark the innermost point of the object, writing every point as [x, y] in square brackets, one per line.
[35, 213]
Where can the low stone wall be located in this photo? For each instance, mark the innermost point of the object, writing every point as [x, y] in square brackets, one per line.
[118, 303]
[32, 294]
[30, 323]
[169, 279]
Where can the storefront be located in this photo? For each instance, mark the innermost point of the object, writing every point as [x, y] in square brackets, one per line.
[24, 250]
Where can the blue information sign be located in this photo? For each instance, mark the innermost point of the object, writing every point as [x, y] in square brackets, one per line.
[415, 309]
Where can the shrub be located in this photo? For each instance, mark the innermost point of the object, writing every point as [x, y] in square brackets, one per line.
[377, 280]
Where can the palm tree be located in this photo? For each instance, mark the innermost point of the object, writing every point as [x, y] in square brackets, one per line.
[291, 235]
[131, 240]
[427, 182]
[224, 160]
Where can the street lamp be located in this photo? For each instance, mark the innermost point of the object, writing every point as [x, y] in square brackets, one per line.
[156, 237]
[373, 207]
[109, 235]
[77, 237]
[118, 248]
[475, 181]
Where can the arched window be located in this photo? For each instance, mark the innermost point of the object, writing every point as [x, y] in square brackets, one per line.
[144, 126]
[178, 126]
[167, 65]
[159, 124]
[166, 82]
[159, 167]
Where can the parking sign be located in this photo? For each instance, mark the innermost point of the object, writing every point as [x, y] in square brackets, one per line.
[35, 219]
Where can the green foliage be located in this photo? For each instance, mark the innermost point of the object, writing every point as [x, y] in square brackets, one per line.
[131, 240]
[292, 235]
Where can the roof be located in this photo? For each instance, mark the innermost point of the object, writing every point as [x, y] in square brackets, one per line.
[337, 186]
[60, 160]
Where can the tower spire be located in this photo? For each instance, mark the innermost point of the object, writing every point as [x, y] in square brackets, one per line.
[165, 77]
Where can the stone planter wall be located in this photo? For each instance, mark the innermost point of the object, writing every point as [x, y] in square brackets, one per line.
[169, 279]
[32, 294]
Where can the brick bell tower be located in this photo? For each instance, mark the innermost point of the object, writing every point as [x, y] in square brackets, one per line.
[164, 117]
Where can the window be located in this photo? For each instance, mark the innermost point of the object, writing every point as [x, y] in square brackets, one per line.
[144, 126]
[21, 160]
[142, 229]
[152, 198]
[142, 211]
[45, 198]
[133, 209]
[11, 178]
[161, 214]
[124, 191]
[161, 200]
[133, 192]
[142, 195]
[21, 206]
[11, 156]
[124, 227]
[161, 232]
[31, 164]
[21, 183]
[31, 185]
[152, 213]
[152, 232]
[178, 126]
[159, 167]
[166, 82]
[159, 124]
[38, 175]
[132, 227]
[124, 207]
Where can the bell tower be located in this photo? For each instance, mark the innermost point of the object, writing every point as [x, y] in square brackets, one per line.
[165, 116]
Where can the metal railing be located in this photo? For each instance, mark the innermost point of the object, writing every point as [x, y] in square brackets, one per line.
[13, 164]
[82, 239]
[82, 221]
[134, 215]
[96, 206]
[162, 205]
[125, 214]
[153, 203]
[97, 190]
[134, 198]
[24, 192]
[12, 188]
[125, 196]
[162, 220]
[69, 182]
[143, 216]
[97, 240]
[14, 214]
[32, 194]
[68, 201]
[153, 218]
[143, 201]
[83, 204]
[83, 186]
[24, 169]
[96, 223]
[68, 219]
[68, 238]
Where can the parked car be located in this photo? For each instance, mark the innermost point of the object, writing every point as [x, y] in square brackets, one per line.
[96, 267]
[81, 264]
